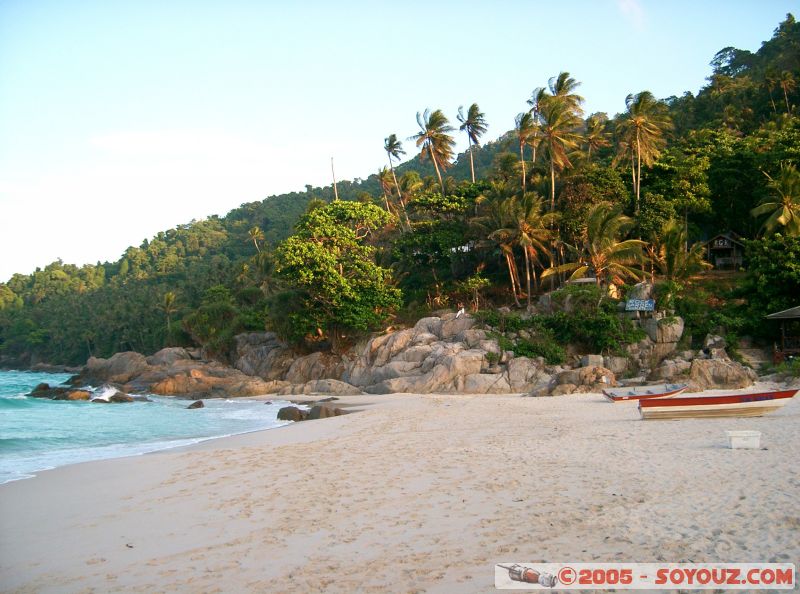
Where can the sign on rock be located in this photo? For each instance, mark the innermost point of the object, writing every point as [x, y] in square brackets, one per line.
[640, 305]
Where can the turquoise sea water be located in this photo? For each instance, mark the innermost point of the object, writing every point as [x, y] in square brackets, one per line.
[37, 434]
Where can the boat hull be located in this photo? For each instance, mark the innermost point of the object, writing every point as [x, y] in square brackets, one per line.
[702, 407]
[644, 392]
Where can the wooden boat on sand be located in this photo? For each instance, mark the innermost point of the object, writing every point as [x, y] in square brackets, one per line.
[728, 405]
[643, 392]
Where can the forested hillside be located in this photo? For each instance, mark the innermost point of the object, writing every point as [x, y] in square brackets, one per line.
[563, 194]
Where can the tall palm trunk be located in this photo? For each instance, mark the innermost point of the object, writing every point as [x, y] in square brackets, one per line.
[399, 194]
[512, 275]
[638, 170]
[522, 161]
[438, 173]
[471, 163]
[527, 273]
[552, 185]
[786, 98]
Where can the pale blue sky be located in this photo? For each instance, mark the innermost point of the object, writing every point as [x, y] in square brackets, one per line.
[121, 119]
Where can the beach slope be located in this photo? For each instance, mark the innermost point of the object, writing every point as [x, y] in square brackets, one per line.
[413, 494]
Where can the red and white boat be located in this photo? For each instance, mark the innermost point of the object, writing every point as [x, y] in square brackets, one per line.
[643, 392]
[728, 405]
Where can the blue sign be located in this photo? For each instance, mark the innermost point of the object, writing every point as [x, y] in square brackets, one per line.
[640, 305]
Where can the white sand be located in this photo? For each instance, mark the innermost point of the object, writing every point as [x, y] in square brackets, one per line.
[415, 494]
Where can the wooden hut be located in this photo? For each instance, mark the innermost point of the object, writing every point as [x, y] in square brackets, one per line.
[790, 344]
[725, 251]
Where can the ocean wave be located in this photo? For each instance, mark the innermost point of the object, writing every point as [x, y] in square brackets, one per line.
[16, 402]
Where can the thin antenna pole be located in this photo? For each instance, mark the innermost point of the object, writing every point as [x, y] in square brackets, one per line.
[335, 190]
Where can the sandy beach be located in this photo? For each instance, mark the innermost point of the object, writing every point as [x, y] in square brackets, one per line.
[411, 494]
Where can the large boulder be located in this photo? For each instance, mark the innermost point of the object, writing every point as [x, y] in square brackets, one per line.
[670, 370]
[525, 373]
[720, 373]
[323, 386]
[292, 413]
[454, 326]
[583, 379]
[315, 366]
[664, 330]
[168, 356]
[486, 383]
[643, 290]
[119, 369]
[323, 411]
[262, 354]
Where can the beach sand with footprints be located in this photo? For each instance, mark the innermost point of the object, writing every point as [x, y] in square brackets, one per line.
[412, 493]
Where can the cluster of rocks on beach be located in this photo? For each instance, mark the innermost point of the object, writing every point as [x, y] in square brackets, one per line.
[450, 353]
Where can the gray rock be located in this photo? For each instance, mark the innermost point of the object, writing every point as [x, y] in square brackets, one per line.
[720, 373]
[714, 341]
[323, 411]
[323, 386]
[593, 360]
[262, 354]
[524, 374]
[196, 404]
[168, 356]
[486, 383]
[455, 327]
[618, 365]
[315, 366]
[667, 330]
[292, 413]
[643, 290]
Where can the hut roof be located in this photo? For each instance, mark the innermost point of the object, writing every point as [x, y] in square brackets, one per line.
[786, 314]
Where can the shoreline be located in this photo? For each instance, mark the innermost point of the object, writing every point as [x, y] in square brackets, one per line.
[414, 493]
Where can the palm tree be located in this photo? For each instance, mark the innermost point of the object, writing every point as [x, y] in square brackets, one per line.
[536, 98]
[474, 124]
[788, 84]
[531, 232]
[169, 306]
[498, 226]
[385, 181]
[256, 234]
[642, 128]
[603, 251]
[394, 150]
[525, 131]
[669, 253]
[435, 140]
[784, 207]
[596, 136]
[770, 82]
[564, 86]
[559, 122]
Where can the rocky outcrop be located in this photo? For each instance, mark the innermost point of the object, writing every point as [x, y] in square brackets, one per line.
[263, 355]
[119, 369]
[592, 378]
[59, 393]
[720, 373]
[172, 372]
[323, 386]
[168, 356]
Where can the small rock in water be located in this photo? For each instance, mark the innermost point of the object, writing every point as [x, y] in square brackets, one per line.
[292, 413]
[196, 404]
